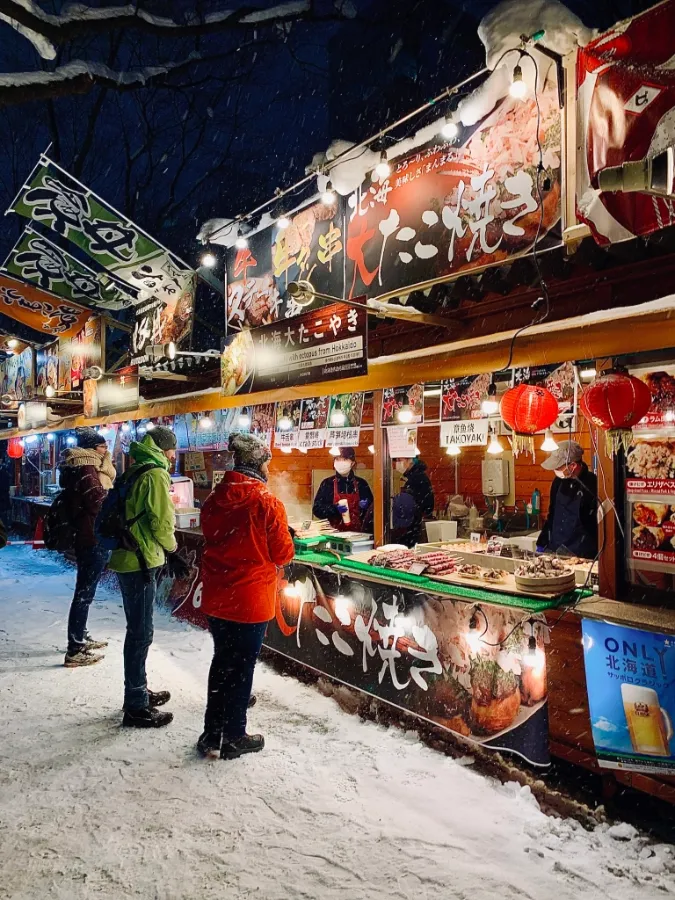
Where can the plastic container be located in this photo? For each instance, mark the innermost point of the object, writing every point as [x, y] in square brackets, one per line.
[441, 531]
[188, 518]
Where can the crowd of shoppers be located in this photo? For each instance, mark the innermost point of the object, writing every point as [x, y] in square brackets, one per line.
[127, 523]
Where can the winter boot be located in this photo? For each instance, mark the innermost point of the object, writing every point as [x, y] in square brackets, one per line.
[146, 718]
[249, 743]
[158, 698]
[208, 744]
[82, 657]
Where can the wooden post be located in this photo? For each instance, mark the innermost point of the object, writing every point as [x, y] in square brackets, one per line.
[379, 471]
[609, 536]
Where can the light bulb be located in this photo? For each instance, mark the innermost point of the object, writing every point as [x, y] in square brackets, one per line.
[291, 590]
[101, 432]
[550, 444]
[208, 260]
[244, 420]
[70, 440]
[286, 449]
[205, 422]
[405, 414]
[518, 88]
[51, 436]
[343, 607]
[126, 428]
[450, 129]
[150, 426]
[285, 423]
[283, 222]
[241, 243]
[371, 448]
[490, 405]
[328, 196]
[12, 343]
[453, 449]
[50, 392]
[588, 374]
[334, 451]
[338, 418]
[495, 447]
[473, 635]
[383, 169]
[302, 450]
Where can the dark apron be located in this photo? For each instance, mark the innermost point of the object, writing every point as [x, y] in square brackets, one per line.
[567, 530]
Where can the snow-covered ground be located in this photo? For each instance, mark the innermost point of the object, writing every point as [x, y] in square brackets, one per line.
[334, 808]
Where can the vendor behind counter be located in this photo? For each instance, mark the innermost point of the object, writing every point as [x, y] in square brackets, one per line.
[572, 517]
[345, 493]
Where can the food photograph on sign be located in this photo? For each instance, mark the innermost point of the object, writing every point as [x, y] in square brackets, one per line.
[314, 413]
[661, 383]
[237, 363]
[403, 405]
[345, 411]
[461, 398]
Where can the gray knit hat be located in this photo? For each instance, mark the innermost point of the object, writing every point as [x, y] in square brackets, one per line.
[88, 438]
[249, 450]
[163, 437]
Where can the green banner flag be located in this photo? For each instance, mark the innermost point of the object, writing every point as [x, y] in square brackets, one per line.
[61, 203]
[37, 260]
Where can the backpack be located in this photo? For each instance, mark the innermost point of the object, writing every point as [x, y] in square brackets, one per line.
[112, 528]
[59, 533]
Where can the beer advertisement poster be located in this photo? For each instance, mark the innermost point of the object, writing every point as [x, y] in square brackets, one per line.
[630, 678]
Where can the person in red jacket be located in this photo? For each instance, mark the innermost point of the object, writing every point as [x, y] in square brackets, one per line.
[246, 540]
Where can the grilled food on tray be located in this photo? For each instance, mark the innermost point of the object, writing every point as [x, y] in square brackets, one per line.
[544, 567]
[494, 576]
[469, 571]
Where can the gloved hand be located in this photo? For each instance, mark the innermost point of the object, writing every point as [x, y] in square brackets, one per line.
[541, 549]
[176, 566]
[364, 504]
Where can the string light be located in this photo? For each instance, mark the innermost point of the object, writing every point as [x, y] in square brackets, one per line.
[518, 88]
[383, 169]
[450, 129]
[494, 447]
[51, 436]
[334, 451]
[405, 414]
[473, 636]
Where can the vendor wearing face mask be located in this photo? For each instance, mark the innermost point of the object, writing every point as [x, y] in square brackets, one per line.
[572, 515]
[343, 498]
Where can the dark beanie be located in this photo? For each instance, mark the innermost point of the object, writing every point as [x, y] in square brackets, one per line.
[163, 437]
[88, 438]
[248, 450]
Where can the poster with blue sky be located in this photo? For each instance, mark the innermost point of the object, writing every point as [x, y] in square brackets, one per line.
[630, 677]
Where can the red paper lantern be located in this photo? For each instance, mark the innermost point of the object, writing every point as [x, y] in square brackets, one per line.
[14, 448]
[615, 402]
[527, 409]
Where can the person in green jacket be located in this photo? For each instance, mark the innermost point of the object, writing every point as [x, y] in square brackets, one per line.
[149, 502]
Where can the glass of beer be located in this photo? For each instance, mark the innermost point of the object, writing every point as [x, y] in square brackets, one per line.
[649, 724]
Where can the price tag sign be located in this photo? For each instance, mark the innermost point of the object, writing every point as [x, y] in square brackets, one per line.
[475, 537]
[418, 568]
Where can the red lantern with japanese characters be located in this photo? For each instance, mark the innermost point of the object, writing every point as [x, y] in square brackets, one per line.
[615, 402]
[527, 409]
[14, 448]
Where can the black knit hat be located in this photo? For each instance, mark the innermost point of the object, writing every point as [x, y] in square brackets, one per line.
[163, 437]
[88, 438]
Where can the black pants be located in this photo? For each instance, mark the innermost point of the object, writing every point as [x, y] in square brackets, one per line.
[235, 650]
[138, 596]
[91, 562]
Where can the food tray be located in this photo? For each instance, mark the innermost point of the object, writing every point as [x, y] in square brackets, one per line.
[188, 518]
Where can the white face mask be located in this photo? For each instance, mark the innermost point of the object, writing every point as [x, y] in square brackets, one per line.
[342, 466]
[559, 473]
[401, 465]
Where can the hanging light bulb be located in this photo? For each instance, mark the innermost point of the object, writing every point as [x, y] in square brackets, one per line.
[50, 392]
[453, 449]
[209, 260]
[490, 405]
[405, 414]
[334, 451]
[286, 449]
[12, 343]
[285, 423]
[383, 169]
[450, 129]
[518, 88]
[244, 420]
[338, 419]
[70, 440]
[371, 448]
[328, 196]
[550, 444]
[206, 422]
[241, 243]
[150, 426]
[283, 222]
[588, 374]
[126, 428]
[51, 436]
[303, 450]
[494, 447]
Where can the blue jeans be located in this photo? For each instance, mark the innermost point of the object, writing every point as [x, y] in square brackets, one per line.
[235, 650]
[91, 561]
[138, 596]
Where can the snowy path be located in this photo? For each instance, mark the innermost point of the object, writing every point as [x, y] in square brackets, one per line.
[333, 809]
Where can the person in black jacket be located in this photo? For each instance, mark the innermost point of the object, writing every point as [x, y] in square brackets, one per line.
[343, 493]
[572, 523]
[5, 484]
[416, 484]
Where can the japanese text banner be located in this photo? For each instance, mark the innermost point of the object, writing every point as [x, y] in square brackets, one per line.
[39, 261]
[44, 313]
[59, 202]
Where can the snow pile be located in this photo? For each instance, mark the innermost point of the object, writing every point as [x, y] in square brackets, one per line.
[333, 808]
